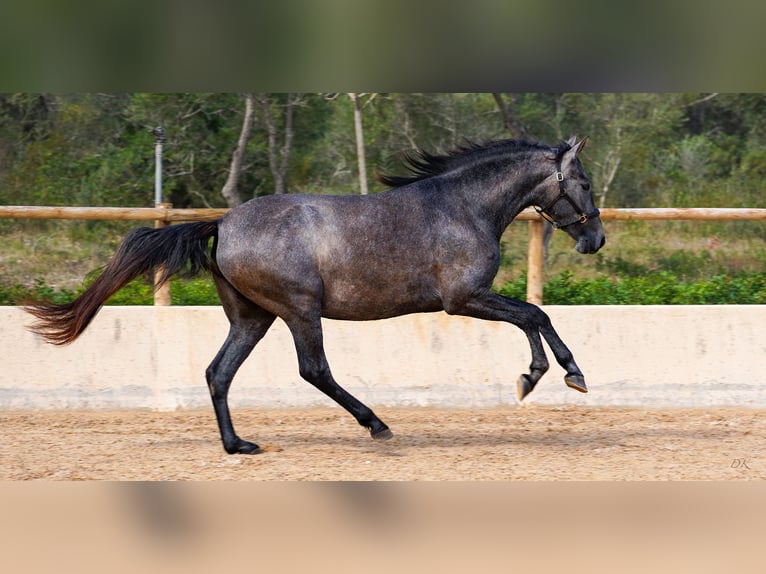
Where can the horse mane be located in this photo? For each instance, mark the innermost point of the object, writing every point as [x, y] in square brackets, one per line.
[423, 164]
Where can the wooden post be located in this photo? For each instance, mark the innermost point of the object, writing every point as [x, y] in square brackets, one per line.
[162, 292]
[535, 262]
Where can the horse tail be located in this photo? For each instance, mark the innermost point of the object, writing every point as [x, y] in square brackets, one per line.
[177, 249]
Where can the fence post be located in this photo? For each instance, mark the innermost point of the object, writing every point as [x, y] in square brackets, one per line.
[535, 262]
[161, 292]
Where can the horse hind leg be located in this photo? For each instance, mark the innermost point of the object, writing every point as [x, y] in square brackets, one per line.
[314, 368]
[249, 323]
[240, 341]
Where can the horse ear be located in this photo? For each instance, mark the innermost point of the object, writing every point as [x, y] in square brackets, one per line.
[581, 146]
[571, 142]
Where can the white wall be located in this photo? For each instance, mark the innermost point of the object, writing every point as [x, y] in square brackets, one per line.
[155, 357]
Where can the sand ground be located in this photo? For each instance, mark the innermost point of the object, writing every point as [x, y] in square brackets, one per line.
[325, 443]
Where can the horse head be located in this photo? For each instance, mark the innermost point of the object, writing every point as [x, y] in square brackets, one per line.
[565, 198]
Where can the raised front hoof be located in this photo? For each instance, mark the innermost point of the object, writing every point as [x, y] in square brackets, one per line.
[383, 434]
[243, 447]
[576, 382]
[524, 386]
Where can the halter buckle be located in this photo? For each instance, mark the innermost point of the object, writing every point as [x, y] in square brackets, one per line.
[559, 176]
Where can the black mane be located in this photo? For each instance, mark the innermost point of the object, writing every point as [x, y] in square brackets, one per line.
[423, 164]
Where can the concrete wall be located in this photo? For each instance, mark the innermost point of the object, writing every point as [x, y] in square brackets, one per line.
[155, 357]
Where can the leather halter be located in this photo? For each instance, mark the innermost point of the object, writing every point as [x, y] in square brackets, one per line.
[581, 216]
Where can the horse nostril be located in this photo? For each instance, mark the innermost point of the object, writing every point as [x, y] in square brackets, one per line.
[586, 186]
[603, 240]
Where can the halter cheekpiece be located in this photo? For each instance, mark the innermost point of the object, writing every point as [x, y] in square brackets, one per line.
[582, 217]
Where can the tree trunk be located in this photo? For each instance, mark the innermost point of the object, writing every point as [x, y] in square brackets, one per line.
[284, 154]
[506, 111]
[230, 189]
[359, 143]
[279, 158]
[610, 167]
[610, 170]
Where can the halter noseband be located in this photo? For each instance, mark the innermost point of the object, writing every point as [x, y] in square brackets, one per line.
[581, 218]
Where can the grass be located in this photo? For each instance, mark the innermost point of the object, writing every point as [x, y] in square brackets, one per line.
[60, 253]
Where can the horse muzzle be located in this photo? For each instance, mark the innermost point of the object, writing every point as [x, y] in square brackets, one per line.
[591, 242]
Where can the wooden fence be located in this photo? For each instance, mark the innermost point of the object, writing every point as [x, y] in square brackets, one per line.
[165, 215]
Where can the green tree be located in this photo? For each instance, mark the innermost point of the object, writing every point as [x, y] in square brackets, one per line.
[629, 136]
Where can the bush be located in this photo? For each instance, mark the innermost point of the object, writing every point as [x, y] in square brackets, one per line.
[17, 294]
[658, 288]
[138, 292]
[194, 292]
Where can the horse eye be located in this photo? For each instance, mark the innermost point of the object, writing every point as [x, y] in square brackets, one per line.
[586, 186]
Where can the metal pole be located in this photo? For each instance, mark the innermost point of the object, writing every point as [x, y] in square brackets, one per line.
[161, 292]
[159, 139]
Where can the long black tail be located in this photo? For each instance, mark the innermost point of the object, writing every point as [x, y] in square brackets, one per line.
[177, 249]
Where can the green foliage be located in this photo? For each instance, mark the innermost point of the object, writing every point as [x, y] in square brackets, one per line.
[658, 288]
[138, 292]
[200, 291]
[18, 294]
[646, 149]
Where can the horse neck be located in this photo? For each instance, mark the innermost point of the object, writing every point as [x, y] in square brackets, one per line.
[497, 196]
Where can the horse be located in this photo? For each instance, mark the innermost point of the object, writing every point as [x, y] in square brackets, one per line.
[431, 242]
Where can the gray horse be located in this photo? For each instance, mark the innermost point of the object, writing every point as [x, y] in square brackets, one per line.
[430, 243]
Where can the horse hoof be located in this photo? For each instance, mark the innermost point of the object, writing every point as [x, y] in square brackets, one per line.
[384, 434]
[244, 447]
[524, 386]
[576, 382]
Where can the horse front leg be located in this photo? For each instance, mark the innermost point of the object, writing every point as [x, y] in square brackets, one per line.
[486, 304]
[574, 378]
[537, 368]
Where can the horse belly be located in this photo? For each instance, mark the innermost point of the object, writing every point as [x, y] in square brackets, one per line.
[361, 301]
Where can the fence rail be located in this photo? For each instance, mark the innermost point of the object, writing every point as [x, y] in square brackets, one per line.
[171, 214]
[535, 261]
[166, 214]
